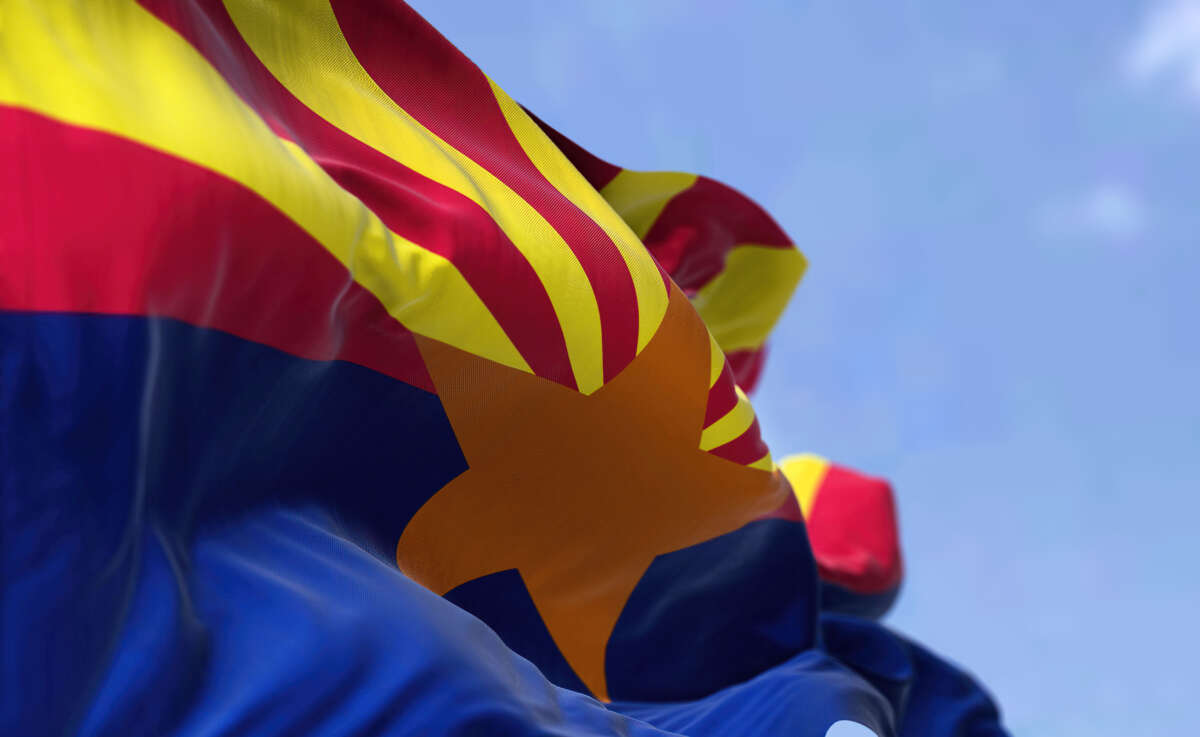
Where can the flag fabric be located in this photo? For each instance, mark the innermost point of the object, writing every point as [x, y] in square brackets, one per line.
[343, 396]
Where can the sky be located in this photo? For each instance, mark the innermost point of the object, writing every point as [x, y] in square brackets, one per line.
[998, 203]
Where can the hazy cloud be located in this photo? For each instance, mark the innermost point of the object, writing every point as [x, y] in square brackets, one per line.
[1168, 44]
[1108, 210]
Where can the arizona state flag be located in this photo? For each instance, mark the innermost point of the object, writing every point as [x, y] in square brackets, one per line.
[339, 395]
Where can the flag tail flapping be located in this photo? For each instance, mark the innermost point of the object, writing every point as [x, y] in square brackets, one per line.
[725, 252]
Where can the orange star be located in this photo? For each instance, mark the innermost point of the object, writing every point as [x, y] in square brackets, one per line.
[577, 492]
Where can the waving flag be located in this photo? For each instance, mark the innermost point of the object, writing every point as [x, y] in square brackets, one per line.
[341, 395]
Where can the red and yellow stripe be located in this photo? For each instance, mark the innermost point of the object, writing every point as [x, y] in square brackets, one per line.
[99, 207]
[470, 143]
[90, 65]
[438, 205]
[735, 263]
[410, 204]
[737, 266]
[318, 80]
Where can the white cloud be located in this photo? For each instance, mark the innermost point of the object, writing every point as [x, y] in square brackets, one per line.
[1108, 210]
[1168, 45]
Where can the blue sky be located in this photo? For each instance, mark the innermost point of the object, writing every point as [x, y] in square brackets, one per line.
[998, 201]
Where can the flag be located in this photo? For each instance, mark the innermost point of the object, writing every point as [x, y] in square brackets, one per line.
[341, 395]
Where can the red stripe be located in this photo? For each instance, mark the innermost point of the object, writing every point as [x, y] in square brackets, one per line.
[410, 204]
[745, 448]
[91, 222]
[436, 84]
[699, 226]
[721, 397]
[747, 366]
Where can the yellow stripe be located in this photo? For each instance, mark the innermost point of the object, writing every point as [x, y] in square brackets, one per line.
[114, 67]
[764, 464]
[743, 303]
[805, 473]
[735, 422]
[640, 196]
[716, 358]
[554, 166]
[303, 47]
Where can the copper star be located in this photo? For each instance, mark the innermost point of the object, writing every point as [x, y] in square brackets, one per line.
[578, 492]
